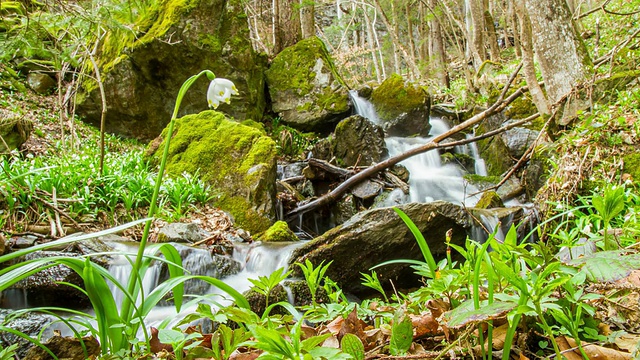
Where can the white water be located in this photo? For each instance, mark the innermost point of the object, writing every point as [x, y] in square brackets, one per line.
[429, 179]
[254, 259]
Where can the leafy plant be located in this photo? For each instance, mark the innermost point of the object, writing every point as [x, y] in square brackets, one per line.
[313, 276]
[264, 284]
[178, 340]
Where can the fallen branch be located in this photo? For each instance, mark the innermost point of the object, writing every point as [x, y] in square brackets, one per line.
[435, 143]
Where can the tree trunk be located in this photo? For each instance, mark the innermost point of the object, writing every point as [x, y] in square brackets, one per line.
[396, 39]
[475, 29]
[307, 19]
[438, 61]
[287, 26]
[527, 60]
[563, 58]
[492, 38]
[373, 46]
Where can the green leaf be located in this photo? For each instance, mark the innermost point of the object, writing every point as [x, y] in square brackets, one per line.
[422, 243]
[401, 334]
[608, 266]
[170, 336]
[352, 345]
[465, 313]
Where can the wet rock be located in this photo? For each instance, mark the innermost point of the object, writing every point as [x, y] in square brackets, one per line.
[258, 302]
[343, 210]
[28, 323]
[40, 83]
[367, 189]
[402, 107]
[306, 91]
[489, 200]
[359, 141]
[365, 92]
[142, 75]
[68, 348]
[44, 288]
[181, 233]
[200, 261]
[24, 242]
[14, 130]
[518, 140]
[380, 235]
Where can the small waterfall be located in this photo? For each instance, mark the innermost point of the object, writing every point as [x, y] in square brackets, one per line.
[250, 261]
[429, 179]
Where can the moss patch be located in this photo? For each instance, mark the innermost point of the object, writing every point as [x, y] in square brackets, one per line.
[393, 97]
[489, 200]
[237, 160]
[279, 232]
[632, 165]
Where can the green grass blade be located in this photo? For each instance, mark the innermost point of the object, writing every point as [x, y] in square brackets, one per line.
[422, 243]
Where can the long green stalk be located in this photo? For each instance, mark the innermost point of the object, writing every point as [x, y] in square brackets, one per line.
[126, 303]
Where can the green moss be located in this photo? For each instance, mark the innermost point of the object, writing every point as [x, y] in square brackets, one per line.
[393, 97]
[632, 165]
[237, 160]
[482, 180]
[521, 108]
[279, 232]
[489, 200]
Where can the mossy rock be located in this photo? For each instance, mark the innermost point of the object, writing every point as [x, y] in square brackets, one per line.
[178, 38]
[14, 130]
[632, 166]
[238, 161]
[359, 141]
[489, 200]
[606, 89]
[538, 170]
[9, 80]
[496, 155]
[278, 232]
[306, 91]
[402, 107]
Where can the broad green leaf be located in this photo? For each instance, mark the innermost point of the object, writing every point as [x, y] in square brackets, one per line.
[401, 334]
[466, 314]
[170, 336]
[608, 266]
[352, 345]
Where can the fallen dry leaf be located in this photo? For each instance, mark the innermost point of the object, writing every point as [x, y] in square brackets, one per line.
[423, 325]
[592, 351]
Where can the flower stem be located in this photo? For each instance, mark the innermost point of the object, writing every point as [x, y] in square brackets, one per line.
[135, 276]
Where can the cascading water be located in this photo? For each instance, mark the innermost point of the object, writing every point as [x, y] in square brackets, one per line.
[430, 179]
[252, 261]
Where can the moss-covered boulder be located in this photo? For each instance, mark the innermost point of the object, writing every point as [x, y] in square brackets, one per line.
[142, 74]
[305, 89]
[238, 161]
[14, 130]
[402, 107]
[489, 200]
[278, 232]
[359, 141]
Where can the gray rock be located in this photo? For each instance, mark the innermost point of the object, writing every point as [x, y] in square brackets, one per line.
[518, 140]
[24, 241]
[367, 189]
[181, 233]
[68, 348]
[305, 89]
[372, 237]
[142, 81]
[40, 83]
[28, 323]
[44, 288]
[359, 141]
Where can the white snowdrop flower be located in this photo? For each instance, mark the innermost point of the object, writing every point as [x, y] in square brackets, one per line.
[220, 90]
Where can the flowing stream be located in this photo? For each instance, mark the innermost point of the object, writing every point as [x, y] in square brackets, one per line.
[429, 179]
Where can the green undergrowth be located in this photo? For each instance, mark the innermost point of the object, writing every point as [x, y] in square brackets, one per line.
[68, 178]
